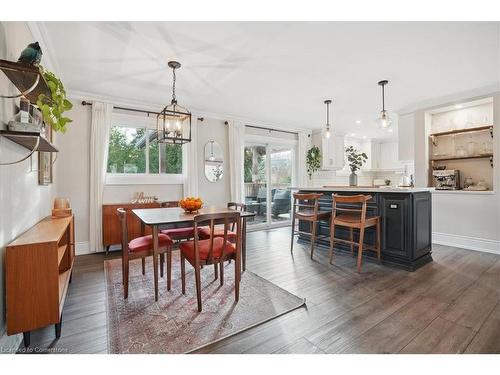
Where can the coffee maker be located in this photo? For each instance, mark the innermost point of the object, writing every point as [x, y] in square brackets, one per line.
[447, 179]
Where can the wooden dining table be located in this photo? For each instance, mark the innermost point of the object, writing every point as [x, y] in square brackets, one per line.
[177, 217]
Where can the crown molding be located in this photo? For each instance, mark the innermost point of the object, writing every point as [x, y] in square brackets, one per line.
[40, 34]
[148, 106]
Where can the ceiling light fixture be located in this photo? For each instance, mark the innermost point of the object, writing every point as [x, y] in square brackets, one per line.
[358, 121]
[173, 123]
[327, 129]
[384, 121]
[458, 106]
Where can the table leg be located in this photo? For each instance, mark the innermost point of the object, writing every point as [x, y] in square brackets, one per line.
[155, 258]
[244, 245]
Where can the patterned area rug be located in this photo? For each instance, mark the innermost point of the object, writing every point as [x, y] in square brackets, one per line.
[173, 324]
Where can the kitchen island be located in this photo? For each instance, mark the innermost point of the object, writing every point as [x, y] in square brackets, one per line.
[406, 223]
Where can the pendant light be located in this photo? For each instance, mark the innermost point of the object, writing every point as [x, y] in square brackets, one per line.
[173, 123]
[384, 120]
[327, 133]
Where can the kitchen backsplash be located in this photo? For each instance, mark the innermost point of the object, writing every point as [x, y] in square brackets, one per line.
[322, 178]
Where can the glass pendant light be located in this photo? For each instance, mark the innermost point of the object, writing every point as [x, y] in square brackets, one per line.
[384, 121]
[327, 133]
[173, 123]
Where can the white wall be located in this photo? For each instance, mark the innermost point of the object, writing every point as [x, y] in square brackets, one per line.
[22, 201]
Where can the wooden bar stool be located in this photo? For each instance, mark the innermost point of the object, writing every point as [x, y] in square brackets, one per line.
[308, 210]
[352, 215]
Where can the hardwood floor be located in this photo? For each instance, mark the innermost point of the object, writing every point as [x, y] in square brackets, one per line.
[451, 305]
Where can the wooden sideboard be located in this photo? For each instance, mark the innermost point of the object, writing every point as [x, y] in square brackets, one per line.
[111, 231]
[38, 267]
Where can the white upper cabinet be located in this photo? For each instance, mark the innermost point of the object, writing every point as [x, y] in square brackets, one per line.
[332, 150]
[406, 136]
[382, 156]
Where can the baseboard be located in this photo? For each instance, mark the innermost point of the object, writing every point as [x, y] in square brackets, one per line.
[82, 248]
[467, 242]
[10, 344]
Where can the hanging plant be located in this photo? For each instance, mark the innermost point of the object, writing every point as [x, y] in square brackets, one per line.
[53, 107]
[313, 160]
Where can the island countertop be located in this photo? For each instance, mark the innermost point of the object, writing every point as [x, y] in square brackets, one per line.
[368, 189]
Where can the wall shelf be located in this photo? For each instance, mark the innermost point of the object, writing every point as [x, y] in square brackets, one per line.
[482, 156]
[465, 130]
[27, 79]
[29, 140]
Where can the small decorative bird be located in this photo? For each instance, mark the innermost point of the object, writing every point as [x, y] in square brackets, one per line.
[31, 54]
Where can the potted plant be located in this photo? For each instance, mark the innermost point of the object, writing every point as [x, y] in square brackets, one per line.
[52, 107]
[356, 161]
[313, 160]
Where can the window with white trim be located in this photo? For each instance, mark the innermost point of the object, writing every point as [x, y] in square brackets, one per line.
[135, 156]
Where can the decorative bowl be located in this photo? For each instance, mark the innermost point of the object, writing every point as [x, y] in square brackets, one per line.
[191, 204]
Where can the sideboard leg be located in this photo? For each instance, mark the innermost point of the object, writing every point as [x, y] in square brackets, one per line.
[58, 327]
[107, 249]
[26, 338]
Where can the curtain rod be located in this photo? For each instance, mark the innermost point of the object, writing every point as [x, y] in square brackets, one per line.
[84, 103]
[271, 130]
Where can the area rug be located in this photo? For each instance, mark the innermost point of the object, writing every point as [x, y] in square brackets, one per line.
[173, 324]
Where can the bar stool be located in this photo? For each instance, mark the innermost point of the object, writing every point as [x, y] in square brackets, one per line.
[308, 210]
[352, 215]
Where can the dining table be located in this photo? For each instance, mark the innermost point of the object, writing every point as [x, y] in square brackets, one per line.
[177, 217]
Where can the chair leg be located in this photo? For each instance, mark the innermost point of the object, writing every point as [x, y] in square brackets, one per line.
[144, 265]
[351, 238]
[162, 263]
[379, 255]
[360, 247]
[221, 263]
[313, 237]
[183, 274]
[169, 268]
[237, 278]
[125, 279]
[198, 286]
[293, 233]
[216, 271]
[332, 241]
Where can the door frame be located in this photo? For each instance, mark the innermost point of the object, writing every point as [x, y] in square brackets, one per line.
[268, 143]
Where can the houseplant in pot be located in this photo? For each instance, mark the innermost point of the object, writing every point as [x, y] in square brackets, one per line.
[356, 160]
[313, 160]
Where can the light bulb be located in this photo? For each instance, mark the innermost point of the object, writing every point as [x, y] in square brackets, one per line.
[168, 125]
[327, 133]
[178, 125]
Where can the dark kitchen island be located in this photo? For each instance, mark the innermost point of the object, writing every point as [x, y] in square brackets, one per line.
[406, 230]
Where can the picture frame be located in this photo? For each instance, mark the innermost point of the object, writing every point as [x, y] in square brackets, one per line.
[45, 161]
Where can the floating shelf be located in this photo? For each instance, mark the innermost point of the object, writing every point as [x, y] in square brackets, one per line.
[482, 156]
[467, 130]
[24, 76]
[28, 140]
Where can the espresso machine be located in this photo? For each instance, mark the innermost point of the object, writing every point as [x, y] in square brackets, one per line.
[447, 179]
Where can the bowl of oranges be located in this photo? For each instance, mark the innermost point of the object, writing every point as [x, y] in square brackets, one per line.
[191, 204]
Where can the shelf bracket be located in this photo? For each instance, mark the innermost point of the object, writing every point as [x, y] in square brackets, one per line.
[491, 131]
[491, 161]
[24, 158]
[23, 93]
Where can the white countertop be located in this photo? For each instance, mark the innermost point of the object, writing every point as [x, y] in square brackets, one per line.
[369, 189]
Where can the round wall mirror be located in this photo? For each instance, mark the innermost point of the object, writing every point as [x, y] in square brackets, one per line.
[214, 168]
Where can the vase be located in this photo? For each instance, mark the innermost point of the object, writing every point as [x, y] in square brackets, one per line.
[353, 179]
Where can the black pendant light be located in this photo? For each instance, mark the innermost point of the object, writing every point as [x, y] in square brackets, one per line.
[328, 132]
[173, 123]
[384, 121]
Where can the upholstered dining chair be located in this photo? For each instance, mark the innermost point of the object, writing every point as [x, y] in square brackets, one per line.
[141, 247]
[177, 234]
[204, 232]
[214, 250]
[352, 214]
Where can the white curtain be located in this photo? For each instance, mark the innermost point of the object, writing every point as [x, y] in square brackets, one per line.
[99, 139]
[236, 139]
[191, 168]
[304, 144]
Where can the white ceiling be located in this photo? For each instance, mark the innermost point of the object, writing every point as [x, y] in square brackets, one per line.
[278, 72]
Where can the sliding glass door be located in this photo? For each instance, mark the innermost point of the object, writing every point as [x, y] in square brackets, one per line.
[269, 171]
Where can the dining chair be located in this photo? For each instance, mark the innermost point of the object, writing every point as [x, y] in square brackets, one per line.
[306, 208]
[141, 247]
[352, 214]
[204, 232]
[177, 234]
[214, 250]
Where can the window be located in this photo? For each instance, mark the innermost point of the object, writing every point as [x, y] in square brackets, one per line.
[134, 150]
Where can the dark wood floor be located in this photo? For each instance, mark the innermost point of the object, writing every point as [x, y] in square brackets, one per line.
[449, 306]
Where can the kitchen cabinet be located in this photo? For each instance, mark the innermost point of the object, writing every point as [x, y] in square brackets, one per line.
[332, 150]
[382, 156]
[406, 137]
